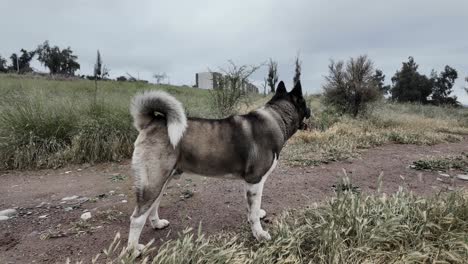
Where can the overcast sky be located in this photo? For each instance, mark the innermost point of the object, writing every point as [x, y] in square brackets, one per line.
[184, 37]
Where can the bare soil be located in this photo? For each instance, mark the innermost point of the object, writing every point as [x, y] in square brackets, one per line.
[48, 230]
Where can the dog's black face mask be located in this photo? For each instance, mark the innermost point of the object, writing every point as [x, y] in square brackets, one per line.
[296, 98]
[300, 104]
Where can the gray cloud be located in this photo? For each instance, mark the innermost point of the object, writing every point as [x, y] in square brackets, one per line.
[184, 37]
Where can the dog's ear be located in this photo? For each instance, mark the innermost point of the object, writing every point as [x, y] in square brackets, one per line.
[297, 90]
[281, 89]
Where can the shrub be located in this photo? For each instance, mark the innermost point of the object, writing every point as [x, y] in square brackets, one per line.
[349, 88]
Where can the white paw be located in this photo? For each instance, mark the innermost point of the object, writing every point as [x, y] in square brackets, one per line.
[159, 224]
[262, 213]
[261, 235]
[136, 249]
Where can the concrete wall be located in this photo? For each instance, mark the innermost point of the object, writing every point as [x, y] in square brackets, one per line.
[204, 80]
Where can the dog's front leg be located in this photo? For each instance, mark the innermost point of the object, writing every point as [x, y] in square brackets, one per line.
[253, 193]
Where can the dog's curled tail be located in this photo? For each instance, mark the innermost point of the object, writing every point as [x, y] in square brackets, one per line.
[145, 105]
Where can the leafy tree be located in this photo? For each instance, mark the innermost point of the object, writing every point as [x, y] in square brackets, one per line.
[350, 87]
[3, 66]
[21, 64]
[56, 60]
[409, 85]
[160, 77]
[443, 84]
[379, 78]
[272, 78]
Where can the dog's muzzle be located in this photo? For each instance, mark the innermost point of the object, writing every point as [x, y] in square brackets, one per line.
[303, 126]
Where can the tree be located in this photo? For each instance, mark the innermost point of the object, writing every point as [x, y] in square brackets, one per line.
[121, 79]
[409, 85]
[466, 80]
[3, 66]
[56, 60]
[379, 78]
[297, 72]
[21, 64]
[231, 88]
[272, 78]
[443, 84]
[160, 77]
[349, 88]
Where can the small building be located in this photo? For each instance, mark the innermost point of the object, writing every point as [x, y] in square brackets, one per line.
[207, 80]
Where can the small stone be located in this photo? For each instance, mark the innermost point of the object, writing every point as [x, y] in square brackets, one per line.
[463, 177]
[444, 175]
[41, 204]
[42, 216]
[68, 209]
[69, 198]
[67, 172]
[83, 200]
[8, 212]
[86, 216]
[29, 213]
[124, 201]
[3, 217]
[111, 192]
[122, 195]
[439, 179]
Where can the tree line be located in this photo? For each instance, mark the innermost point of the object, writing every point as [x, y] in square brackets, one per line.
[350, 85]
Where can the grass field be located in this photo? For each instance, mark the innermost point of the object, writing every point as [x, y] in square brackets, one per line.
[49, 123]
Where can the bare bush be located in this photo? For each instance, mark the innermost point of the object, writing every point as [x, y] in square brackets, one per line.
[232, 88]
[349, 88]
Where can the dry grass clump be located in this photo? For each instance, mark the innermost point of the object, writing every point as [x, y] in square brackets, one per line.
[387, 123]
[348, 228]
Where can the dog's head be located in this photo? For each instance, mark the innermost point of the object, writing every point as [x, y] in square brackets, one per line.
[295, 99]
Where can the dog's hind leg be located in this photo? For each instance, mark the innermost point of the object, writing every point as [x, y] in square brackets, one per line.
[155, 221]
[253, 193]
[152, 172]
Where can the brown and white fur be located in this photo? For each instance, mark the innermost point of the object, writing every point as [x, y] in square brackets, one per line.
[241, 146]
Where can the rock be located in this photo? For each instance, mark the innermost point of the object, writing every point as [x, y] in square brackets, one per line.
[83, 200]
[43, 216]
[29, 213]
[68, 209]
[3, 217]
[67, 172]
[112, 192]
[69, 198]
[86, 216]
[124, 201]
[463, 177]
[41, 204]
[8, 212]
[444, 175]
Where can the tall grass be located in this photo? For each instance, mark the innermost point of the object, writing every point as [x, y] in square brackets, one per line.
[48, 123]
[349, 228]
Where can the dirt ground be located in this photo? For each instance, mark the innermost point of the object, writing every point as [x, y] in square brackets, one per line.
[48, 230]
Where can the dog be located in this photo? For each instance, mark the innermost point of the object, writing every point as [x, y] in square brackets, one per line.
[246, 147]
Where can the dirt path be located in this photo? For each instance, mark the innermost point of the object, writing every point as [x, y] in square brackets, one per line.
[47, 229]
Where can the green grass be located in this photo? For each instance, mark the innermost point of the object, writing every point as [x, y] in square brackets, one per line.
[49, 123]
[348, 228]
